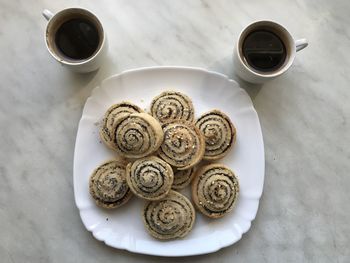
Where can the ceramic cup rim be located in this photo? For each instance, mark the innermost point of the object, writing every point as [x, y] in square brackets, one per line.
[286, 35]
[61, 59]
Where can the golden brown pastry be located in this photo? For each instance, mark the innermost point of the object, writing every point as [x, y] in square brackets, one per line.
[182, 178]
[219, 134]
[115, 111]
[215, 190]
[183, 146]
[108, 185]
[136, 135]
[169, 218]
[149, 178]
[172, 106]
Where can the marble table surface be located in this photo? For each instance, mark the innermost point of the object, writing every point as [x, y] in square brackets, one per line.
[304, 212]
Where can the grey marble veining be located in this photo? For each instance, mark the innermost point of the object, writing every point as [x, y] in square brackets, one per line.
[304, 213]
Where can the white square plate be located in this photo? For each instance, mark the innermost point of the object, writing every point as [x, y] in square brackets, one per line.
[123, 228]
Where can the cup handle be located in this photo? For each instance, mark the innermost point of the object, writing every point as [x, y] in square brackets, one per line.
[47, 14]
[301, 44]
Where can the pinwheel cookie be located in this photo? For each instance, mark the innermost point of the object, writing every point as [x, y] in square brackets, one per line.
[219, 134]
[149, 178]
[114, 112]
[136, 135]
[183, 146]
[108, 185]
[215, 190]
[172, 106]
[169, 218]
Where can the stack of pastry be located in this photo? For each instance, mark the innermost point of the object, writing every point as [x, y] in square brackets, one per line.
[161, 153]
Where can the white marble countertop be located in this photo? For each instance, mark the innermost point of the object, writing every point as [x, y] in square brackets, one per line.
[304, 213]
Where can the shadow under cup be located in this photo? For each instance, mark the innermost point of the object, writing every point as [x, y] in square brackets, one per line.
[279, 31]
[55, 24]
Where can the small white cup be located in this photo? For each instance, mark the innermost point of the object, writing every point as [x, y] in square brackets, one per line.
[56, 20]
[249, 74]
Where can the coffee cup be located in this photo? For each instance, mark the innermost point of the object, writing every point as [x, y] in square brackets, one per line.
[264, 50]
[75, 38]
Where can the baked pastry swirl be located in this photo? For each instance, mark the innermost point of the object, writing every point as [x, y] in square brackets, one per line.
[171, 106]
[113, 112]
[215, 190]
[169, 218]
[219, 134]
[183, 145]
[149, 178]
[108, 185]
[182, 178]
[136, 135]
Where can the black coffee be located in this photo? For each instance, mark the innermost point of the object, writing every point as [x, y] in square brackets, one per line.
[77, 38]
[264, 51]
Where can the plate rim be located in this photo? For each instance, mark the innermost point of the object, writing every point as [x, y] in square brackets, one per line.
[258, 133]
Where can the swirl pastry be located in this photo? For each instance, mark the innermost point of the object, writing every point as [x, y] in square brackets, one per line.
[172, 105]
[219, 134]
[215, 190]
[183, 145]
[149, 178]
[136, 135]
[169, 218]
[108, 186]
[115, 111]
[182, 178]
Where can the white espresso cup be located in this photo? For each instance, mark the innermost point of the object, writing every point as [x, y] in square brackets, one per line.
[55, 21]
[247, 72]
